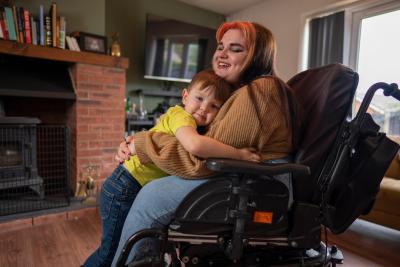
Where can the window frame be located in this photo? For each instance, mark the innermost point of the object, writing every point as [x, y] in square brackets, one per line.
[357, 14]
[354, 13]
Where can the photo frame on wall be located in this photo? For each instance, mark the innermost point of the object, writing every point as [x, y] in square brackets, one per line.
[91, 42]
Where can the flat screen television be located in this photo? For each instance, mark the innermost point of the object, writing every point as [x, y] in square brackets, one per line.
[176, 50]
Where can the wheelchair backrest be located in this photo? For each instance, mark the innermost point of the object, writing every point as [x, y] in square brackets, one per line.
[347, 158]
[325, 97]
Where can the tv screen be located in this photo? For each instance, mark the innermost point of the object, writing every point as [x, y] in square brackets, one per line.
[176, 50]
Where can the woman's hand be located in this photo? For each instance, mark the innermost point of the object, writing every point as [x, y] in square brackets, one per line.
[249, 154]
[132, 148]
[123, 152]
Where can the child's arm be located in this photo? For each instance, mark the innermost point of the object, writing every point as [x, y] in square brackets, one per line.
[206, 147]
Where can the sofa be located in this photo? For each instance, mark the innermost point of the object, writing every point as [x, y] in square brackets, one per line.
[386, 210]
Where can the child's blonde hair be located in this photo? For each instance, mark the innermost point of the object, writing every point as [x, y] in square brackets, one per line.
[209, 80]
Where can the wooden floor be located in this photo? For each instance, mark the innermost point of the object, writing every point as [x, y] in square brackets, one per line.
[368, 244]
[69, 242]
[65, 243]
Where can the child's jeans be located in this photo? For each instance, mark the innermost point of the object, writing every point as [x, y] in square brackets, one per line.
[117, 195]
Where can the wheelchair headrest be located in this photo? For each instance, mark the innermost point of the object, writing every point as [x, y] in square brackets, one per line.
[325, 97]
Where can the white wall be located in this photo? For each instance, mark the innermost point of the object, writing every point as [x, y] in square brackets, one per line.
[284, 19]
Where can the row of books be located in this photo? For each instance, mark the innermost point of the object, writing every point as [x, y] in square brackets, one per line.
[17, 24]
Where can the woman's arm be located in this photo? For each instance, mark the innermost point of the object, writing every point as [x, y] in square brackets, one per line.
[236, 124]
[206, 147]
[132, 149]
[124, 152]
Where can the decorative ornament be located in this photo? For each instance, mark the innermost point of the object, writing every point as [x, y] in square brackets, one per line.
[115, 47]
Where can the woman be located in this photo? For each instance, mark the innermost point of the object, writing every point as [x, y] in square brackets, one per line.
[259, 114]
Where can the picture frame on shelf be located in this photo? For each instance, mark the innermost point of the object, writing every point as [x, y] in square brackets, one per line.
[89, 42]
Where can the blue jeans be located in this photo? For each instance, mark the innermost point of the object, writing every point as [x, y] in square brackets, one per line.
[157, 202]
[154, 207]
[117, 195]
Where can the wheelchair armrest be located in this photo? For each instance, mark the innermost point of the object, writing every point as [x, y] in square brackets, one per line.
[240, 166]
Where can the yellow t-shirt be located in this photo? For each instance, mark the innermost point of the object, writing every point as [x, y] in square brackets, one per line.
[169, 123]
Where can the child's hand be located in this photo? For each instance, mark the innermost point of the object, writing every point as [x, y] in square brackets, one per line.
[249, 154]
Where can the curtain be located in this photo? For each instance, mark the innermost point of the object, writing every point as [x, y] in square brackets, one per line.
[326, 40]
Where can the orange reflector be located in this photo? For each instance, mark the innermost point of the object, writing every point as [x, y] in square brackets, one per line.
[262, 217]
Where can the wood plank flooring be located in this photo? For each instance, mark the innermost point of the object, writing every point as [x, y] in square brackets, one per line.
[368, 244]
[65, 243]
[68, 242]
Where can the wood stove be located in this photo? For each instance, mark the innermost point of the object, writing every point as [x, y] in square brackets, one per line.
[35, 163]
[18, 157]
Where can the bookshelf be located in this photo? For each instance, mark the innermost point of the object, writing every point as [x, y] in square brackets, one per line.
[57, 54]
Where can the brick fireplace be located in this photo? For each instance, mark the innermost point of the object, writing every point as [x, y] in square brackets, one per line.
[95, 115]
[96, 118]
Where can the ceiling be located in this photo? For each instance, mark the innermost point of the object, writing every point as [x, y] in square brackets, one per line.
[224, 7]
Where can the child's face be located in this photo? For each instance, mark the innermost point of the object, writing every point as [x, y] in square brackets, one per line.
[201, 104]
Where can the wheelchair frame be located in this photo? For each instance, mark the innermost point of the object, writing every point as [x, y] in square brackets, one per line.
[231, 243]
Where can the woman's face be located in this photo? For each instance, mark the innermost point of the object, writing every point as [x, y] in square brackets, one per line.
[229, 58]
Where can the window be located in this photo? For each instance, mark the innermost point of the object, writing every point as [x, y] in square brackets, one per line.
[370, 45]
[177, 57]
[378, 60]
[176, 61]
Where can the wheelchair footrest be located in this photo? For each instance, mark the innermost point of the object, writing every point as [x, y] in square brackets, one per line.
[336, 255]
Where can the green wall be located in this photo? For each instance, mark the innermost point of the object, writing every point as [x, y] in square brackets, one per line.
[81, 15]
[128, 17]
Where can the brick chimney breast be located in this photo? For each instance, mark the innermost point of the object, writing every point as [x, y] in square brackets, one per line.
[97, 118]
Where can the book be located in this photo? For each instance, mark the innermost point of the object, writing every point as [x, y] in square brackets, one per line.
[47, 25]
[72, 43]
[21, 22]
[53, 17]
[75, 44]
[58, 32]
[27, 26]
[1, 30]
[14, 9]
[2, 26]
[69, 43]
[62, 32]
[10, 24]
[41, 25]
[4, 23]
[33, 31]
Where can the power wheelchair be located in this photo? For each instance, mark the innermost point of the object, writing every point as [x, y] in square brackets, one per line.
[245, 217]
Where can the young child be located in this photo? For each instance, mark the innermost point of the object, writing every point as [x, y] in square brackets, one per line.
[201, 101]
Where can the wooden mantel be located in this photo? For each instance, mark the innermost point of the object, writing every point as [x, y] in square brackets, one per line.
[57, 54]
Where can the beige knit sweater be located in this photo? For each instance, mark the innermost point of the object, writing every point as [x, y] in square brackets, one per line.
[236, 124]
